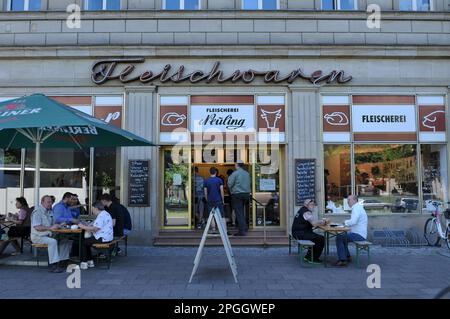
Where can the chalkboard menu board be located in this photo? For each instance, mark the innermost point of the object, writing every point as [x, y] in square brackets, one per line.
[138, 183]
[305, 180]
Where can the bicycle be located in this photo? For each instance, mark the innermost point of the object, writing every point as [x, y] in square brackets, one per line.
[433, 231]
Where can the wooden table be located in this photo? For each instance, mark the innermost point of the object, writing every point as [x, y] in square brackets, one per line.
[331, 232]
[68, 232]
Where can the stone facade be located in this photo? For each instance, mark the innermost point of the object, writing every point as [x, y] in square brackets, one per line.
[408, 54]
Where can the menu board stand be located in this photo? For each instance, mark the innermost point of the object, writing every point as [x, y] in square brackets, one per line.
[305, 180]
[138, 183]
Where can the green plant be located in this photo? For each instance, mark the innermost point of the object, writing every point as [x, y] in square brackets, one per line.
[103, 179]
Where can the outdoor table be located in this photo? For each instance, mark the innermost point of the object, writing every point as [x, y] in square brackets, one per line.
[331, 232]
[70, 233]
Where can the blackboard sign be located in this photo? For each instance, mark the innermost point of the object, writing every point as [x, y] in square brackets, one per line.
[138, 183]
[305, 180]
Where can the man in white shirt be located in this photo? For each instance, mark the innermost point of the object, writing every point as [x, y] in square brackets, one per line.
[102, 231]
[358, 232]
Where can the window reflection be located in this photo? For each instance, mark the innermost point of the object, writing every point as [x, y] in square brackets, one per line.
[347, 5]
[176, 190]
[106, 172]
[62, 170]
[386, 177]
[337, 176]
[9, 179]
[267, 185]
[434, 173]
[250, 4]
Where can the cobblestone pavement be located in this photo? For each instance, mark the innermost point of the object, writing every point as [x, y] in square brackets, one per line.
[163, 272]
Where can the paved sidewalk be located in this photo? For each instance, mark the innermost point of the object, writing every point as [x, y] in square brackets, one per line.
[160, 272]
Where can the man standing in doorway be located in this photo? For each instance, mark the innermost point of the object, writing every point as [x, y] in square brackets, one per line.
[213, 188]
[239, 185]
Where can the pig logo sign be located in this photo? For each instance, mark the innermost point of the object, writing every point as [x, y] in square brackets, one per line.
[336, 118]
[431, 120]
[271, 118]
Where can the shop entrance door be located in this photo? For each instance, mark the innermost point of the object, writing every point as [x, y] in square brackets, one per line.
[200, 173]
[181, 208]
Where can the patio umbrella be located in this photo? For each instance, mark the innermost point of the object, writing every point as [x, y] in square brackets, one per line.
[41, 122]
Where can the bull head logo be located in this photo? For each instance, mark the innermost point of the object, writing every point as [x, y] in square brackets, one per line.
[431, 119]
[271, 117]
[336, 118]
[173, 119]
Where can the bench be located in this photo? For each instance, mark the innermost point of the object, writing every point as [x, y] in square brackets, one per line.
[293, 239]
[305, 244]
[37, 247]
[363, 245]
[109, 247]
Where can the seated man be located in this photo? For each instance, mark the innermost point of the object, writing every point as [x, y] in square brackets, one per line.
[41, 233]
[302, 229]
[102, 230]
[126, 217]
[358, 224]
[75, 207]
[62, 212]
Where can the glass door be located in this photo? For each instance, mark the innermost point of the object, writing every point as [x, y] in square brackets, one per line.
[177, 191]
[222, 159]
[267, 187]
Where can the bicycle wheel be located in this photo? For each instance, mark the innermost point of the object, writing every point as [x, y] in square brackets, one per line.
[447, 237]
[431, 233]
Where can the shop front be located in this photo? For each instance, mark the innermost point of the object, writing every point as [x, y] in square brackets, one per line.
[204, 131]
[390, 150]
[368, 134]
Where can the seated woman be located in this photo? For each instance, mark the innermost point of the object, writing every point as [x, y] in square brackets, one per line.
[302, 229]
[102, 230]
[22, 224]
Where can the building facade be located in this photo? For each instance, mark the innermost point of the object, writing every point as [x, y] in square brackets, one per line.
[309, 94]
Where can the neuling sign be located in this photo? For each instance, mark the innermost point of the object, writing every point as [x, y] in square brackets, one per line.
[222, 118]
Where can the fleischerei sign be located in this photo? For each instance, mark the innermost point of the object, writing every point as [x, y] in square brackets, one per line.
[213, 117]
[384, 118]
[236, 118]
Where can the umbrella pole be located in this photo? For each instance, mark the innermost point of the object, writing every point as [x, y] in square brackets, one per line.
[37, 179]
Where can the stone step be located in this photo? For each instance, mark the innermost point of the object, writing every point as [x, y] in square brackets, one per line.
[199, 233]
[217, 241]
